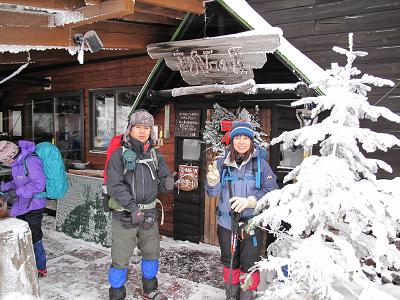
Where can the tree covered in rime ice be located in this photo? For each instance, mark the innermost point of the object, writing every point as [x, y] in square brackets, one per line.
[341, 224]
[213, 135]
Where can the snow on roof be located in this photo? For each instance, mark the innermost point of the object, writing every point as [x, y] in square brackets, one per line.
[300, 63]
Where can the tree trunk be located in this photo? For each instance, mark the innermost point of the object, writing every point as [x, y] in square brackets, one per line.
[17, 260]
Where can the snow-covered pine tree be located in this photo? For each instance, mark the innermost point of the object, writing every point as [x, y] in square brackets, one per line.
[343, 223]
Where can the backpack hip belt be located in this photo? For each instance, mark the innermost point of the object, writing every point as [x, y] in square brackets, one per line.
[113, 204]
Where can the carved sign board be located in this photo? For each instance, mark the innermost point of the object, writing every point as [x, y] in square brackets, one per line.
[225, 59]
[188, 178]
[187, 123]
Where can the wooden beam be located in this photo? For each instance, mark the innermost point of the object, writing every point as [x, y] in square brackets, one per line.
[23, 19]
[193, 6]
[48, 4]
[92, 2]
[34, 36]
[150, 19]
[61, 37]
[103, 10]
[159, 11]
[60, 56]
[126, 28]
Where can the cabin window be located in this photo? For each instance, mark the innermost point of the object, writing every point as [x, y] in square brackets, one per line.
[191, 149]
[16, 122]
[110, 109]
[58, 118]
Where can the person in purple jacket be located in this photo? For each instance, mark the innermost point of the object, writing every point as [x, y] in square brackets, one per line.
[236, 169]
[28, 179]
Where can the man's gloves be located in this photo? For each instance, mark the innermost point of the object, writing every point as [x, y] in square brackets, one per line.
[169, 182]
[238, 204]
[213, 176]
[150, 217]
[130, 220]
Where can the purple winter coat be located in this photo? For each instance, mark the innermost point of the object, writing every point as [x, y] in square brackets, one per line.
[26, 186]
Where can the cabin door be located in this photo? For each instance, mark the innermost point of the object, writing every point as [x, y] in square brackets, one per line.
[188, 203]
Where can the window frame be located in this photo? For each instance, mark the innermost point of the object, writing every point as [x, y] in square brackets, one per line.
[54, 96]
[92, 110]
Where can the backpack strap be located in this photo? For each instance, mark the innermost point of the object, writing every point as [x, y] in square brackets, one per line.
[256, 170]
[256, 166]
[154, 156]
[26, 163]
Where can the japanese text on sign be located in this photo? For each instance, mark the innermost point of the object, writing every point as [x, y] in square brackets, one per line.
[187, 123]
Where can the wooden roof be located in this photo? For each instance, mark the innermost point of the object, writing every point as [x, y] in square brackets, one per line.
[125, 27]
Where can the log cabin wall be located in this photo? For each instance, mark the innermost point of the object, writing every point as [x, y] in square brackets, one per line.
[168, 152]
[315, 26]
[110, 74]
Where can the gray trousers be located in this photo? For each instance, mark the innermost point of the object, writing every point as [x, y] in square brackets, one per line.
[125, 240]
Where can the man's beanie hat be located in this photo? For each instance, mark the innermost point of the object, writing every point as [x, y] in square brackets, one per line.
[241, 128]
[8, 150]
[141, 117]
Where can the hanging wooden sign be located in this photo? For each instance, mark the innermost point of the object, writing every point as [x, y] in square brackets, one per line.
[224, 59]
[188, 178]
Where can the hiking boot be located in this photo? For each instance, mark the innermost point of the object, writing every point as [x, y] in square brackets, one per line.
[156, 295]
[247, 295]
[42, 273]
[117, 293]
[232, 291]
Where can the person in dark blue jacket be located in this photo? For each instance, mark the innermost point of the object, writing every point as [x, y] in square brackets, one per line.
[237, 169]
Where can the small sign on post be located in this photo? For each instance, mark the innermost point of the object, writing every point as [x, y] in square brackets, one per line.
[188, 178]
[187, 123]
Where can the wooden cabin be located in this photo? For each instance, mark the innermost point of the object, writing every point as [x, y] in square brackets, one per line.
[62, 100]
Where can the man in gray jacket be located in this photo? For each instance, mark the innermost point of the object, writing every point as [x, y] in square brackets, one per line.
[136, 173]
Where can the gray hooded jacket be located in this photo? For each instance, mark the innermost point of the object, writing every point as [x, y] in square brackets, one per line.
[119, 185]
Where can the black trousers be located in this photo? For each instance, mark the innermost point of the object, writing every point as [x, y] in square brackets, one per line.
[34, 220]
[247, 250]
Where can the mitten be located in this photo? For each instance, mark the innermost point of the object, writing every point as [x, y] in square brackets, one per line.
[169, 182]
[137, 217]
[131, 220]
[213, 176]
[238, 204]
[10, 196]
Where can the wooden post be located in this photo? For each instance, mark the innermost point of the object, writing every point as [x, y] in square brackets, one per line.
[17, 260]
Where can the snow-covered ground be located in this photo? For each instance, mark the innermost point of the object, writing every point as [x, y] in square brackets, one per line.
[79, 270]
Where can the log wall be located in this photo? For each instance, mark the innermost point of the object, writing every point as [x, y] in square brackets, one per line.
[315, 26]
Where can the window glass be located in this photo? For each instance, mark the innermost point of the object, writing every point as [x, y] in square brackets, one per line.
[17, 123]
[191, 149]
[43, 120]
[103, 119]
[69, 127]
[109, 114]
[123, 108]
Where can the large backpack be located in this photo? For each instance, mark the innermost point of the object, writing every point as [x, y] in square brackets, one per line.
[54, 170]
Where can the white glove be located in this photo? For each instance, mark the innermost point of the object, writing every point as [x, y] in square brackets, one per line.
[213, 177]
[238, 204]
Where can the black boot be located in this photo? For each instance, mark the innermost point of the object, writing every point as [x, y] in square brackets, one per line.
[232, 291]
[247, 295]
[117, 294]
[150, 289]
